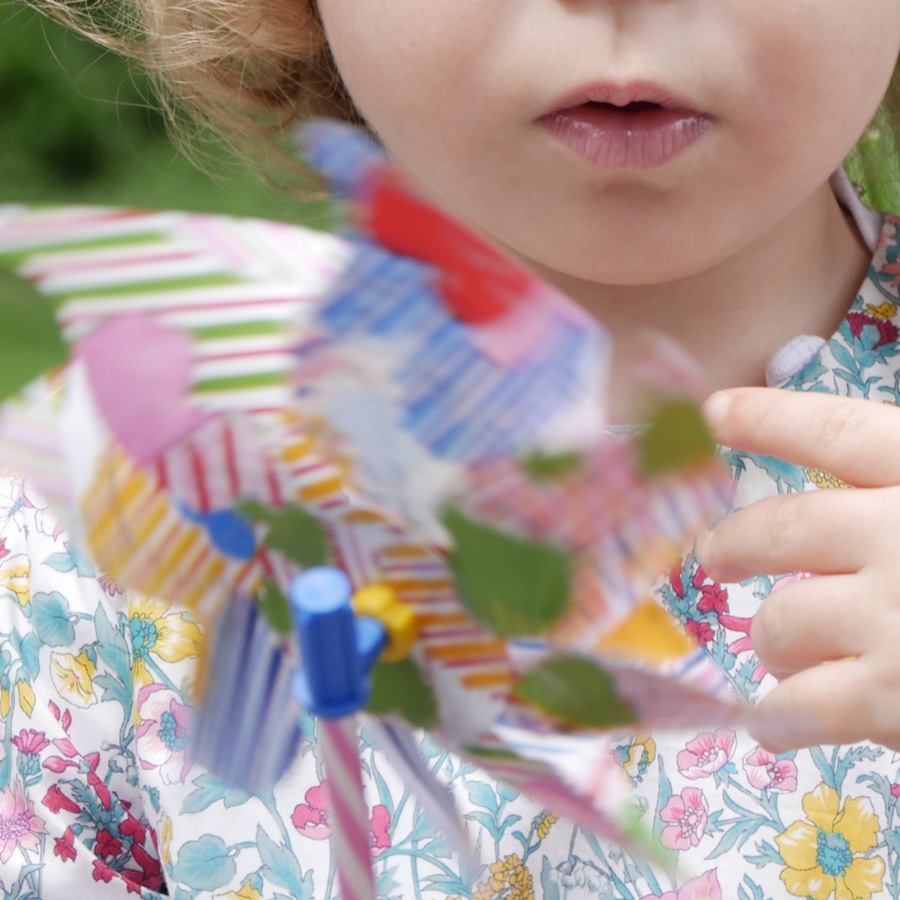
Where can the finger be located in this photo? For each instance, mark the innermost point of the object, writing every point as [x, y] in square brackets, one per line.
[838, 703]
[856, 440]
[810, 622]
[826, 532]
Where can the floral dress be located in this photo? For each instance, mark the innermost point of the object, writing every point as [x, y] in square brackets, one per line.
[100, 797]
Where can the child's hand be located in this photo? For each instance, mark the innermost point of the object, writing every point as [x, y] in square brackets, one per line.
[851, 538]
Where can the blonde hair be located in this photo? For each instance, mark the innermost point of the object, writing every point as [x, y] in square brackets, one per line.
[246, 69]
[238, 69]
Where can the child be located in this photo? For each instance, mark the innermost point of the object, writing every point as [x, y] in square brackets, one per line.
[666, 164]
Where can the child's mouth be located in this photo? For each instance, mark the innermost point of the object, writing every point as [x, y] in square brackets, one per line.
[621, 133]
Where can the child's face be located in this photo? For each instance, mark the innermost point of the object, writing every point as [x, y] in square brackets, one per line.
[458, 91]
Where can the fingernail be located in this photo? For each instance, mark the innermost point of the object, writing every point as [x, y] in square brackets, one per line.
[715, 408]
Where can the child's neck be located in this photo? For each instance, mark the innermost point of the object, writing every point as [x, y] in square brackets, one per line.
[800, 277]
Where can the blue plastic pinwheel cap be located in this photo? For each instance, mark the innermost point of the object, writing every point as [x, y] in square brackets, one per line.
[337, 649]
[322, 589]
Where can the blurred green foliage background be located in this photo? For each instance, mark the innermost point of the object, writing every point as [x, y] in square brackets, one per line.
[78, 125]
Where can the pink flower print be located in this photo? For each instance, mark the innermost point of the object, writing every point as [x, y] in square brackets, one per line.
[713, 599]
[19, 826]
[133, 829]
[768, 773]
[892, 269]
[102, 790]
[686, 816]
[55, 800]
[703, 887]
[700, 630]
[107, 845]
[110, 586]
[162, 735]
[379, 836]
[706, 753]
[151, 871]
[311, 818]
[65, 846]
[103, 872]
[895, 790]
[887, 330]
[742, 624]
[29, 743]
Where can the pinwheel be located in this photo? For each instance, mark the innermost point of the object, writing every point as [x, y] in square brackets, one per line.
[385, 480]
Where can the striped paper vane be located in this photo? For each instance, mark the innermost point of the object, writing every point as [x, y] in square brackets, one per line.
[233, 403]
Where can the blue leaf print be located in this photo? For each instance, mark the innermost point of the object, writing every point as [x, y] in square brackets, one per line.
[112, 647]
[281, 866]
[210, 790]
[665, 792]
[113, 689]
[50, 618]
[204, 864]
[29, 651]
[850, 759]
[486, 820]
[845, 358]
[72, 558]
[483, 795]
[892, 839]
[785, 475]
[549, 881]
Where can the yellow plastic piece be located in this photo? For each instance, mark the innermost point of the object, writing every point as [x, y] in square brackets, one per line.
[649, 634]
[381, 602]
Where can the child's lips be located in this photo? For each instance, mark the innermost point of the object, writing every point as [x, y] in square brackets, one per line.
[633, 127]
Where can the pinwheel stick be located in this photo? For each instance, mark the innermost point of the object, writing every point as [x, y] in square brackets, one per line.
[347, 808]
[337, 651]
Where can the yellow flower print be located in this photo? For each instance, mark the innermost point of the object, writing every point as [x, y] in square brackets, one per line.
[822, 854]
[247, 892]
[15, 576]
[26, 697]
[822, 479]
[72, 676]
[157, 632]
[886, 310]
[509, 880]
[165, 842]
[546, 823]
[635, 756]
[4, 703]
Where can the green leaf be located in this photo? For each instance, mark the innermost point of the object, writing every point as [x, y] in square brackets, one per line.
[399, 687]
[274, 606]
[676, 438]
[30, 342]
[548, 466]
[577, 692]
[515, 586]
[292, 531]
